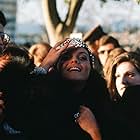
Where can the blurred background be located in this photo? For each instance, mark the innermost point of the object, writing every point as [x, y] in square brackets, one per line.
[120, 18]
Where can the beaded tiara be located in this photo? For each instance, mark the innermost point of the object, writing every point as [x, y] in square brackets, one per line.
[78, 43]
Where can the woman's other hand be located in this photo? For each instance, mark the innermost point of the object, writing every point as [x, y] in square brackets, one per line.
[88, 123]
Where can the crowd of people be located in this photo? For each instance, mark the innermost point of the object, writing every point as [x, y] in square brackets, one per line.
[84, 89]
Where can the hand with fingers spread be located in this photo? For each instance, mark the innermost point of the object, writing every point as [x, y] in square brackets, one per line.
[54, 54]
[88, 123]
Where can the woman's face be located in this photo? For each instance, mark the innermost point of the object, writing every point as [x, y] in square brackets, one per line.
[76, 65]
[126, 75]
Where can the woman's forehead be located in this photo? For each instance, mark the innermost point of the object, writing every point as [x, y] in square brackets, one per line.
[81, 50]
[77, 50]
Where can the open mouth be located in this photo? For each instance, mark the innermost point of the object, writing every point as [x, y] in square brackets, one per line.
[74, 69]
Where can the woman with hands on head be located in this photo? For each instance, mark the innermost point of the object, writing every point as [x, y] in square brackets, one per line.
[72, 82]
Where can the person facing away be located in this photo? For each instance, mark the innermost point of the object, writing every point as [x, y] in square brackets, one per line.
[15, 68]
[39, 51]
[123, 82]
[59, 94]
[4, 38]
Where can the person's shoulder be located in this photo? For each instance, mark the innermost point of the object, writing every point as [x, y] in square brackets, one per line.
[97, 76]
[98, 82]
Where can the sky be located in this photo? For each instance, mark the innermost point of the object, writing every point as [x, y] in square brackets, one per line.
[117, 15]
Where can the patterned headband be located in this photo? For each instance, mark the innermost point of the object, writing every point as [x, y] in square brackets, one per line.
[78, 43]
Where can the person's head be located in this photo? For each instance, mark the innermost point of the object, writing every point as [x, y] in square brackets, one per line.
[39, 51]
[15, 68]
[113, 53]
[91, 38]
[76, 61]
[105, 45]
[124, 72]
[4, 38]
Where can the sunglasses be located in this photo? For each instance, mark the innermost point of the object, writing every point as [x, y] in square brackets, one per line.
[4, 38]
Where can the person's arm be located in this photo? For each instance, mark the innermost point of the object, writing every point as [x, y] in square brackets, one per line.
[51, 58]
[88, 123]
[54, 54]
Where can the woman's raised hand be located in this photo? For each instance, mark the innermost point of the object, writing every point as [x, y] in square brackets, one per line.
[55, 52]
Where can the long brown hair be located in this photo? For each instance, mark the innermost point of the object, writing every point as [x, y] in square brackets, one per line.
[131, 57]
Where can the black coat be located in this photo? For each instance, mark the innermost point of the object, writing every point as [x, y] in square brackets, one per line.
[126, 117]
[129, 108]
[53, 105]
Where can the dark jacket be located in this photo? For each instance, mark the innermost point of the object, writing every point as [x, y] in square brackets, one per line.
[54, 104]
[126, 118]
[129, 108]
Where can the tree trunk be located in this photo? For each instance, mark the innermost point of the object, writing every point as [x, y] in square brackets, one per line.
[56, 28]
